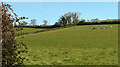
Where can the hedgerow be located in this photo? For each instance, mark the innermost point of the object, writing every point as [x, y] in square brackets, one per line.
[11, 49]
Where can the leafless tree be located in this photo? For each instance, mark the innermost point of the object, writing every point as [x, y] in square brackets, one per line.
[33, 21]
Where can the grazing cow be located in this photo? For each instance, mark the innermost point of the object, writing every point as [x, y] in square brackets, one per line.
[101, 28]
[110, 26]
[93, 28]
[105, 27]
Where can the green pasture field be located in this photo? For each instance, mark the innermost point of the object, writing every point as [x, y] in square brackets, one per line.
[109, 20]
[78, 45]
[28, 30]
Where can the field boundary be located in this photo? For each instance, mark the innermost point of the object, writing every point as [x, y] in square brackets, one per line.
[52, 28]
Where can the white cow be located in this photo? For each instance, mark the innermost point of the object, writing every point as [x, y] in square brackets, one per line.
[102, 28]
[110, 26]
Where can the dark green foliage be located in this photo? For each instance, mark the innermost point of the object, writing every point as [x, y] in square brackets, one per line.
[82, 21]
[70, 18]
[57, 24]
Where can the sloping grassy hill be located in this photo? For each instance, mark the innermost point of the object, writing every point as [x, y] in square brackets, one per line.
[79, 45]
[28, 30]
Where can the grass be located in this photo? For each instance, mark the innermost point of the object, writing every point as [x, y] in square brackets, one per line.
[109, 20]
[28, 30]
[79, 45]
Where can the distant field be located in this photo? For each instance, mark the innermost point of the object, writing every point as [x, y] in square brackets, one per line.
[109, 20]
[28, 30]
[79, 45]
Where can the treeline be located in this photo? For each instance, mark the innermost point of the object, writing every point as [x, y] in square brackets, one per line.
[36, 26]
[82, 22]
[69, 19]
[72, 18]
[100, 22]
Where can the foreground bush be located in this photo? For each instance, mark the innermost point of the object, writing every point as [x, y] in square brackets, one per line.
[11, 50]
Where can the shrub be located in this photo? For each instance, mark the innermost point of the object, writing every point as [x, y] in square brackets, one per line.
[11, 50]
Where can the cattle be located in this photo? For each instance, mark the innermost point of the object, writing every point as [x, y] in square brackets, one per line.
[102, 27]
[93, 28]
[110, 26]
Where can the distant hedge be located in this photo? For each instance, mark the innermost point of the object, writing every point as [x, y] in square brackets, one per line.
[100, 22]
[80, 23]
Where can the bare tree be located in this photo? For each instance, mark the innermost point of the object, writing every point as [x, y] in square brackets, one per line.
[45, 22]
[33, 21]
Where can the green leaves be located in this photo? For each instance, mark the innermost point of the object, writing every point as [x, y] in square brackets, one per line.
[70, 18]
